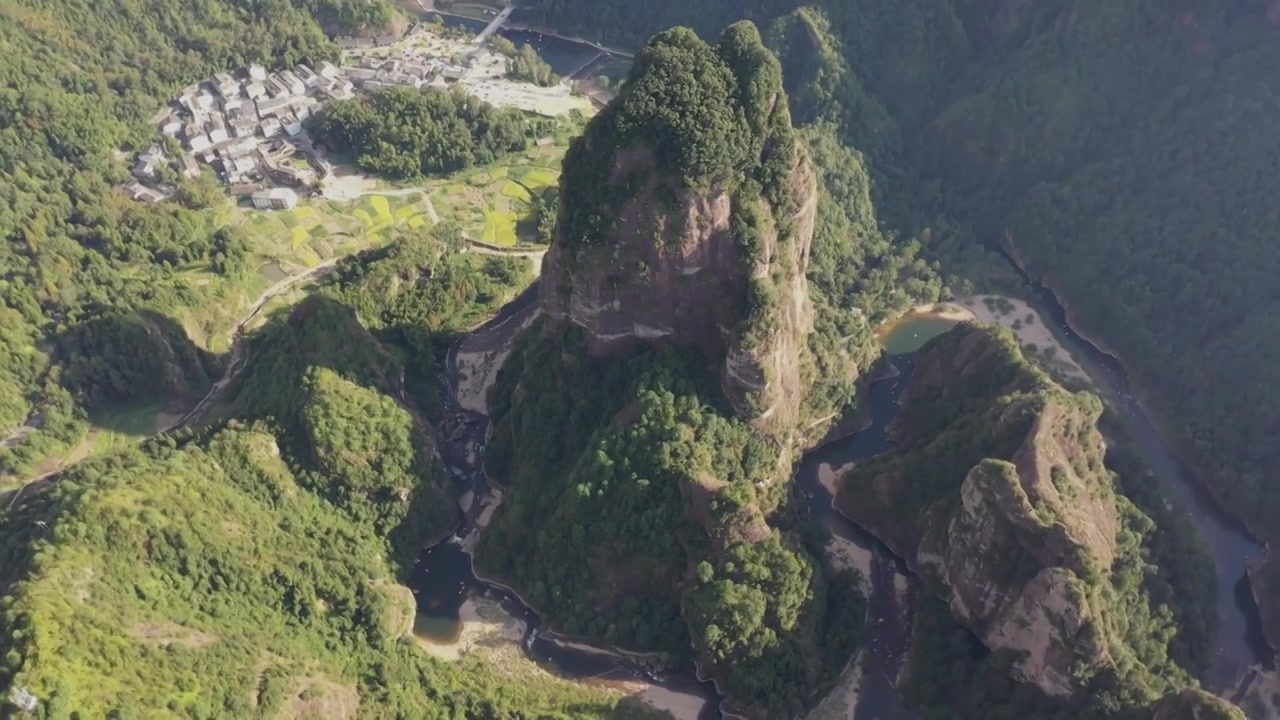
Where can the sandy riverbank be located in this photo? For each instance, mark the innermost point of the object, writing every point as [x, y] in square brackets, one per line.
[1037, 338]
[478, 369]
[484, 622]
[682, 706]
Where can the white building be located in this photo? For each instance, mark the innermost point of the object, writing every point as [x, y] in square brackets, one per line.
[292, 125]
[257, 72]
[138, 191]
[329, 70]
[225, 85]
[270, 127]
[254, 90]
[199, 142]
[204, 102]
[292, 83]
[272, 106]
[308, 76]
[171, 126]
[275, 199]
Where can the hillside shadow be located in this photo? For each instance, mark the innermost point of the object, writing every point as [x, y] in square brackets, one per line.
[130, 359]
[322, 333]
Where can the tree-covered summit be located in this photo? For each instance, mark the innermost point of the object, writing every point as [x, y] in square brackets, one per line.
[702, 116]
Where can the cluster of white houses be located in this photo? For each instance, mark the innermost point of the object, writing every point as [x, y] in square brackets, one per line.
[246, 126]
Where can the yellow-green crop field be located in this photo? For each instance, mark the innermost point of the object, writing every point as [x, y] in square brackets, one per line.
[497, 204]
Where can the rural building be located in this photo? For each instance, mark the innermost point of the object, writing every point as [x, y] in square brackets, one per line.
[189, 166]
[270, 127]
[292, 125]
[291, 82]
[271, 106]
[308, 76]
[257, 72]
[275, 199]
[275, 88]
[329, 70]
[138, 191]
[225, 85]
[254, 90]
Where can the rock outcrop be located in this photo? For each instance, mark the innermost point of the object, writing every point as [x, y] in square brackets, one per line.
[1000, 500]
[1193, 704]
[687, 220]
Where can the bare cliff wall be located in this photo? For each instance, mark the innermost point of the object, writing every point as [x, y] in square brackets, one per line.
[659, 244]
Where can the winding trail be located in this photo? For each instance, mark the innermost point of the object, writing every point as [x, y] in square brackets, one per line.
[234, 366]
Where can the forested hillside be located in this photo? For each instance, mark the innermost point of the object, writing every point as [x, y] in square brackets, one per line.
[253, 570]
[407, 133]
[203, 579]
[92, 282]
[1124, 151]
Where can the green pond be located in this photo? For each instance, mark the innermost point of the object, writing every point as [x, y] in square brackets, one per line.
[911, 332]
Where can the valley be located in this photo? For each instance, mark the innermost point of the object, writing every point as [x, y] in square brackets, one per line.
[708, 402]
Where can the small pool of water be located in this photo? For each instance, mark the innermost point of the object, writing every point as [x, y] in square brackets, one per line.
[433, 628]
[912, 331]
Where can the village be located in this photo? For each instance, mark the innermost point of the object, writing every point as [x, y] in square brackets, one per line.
[248, 126]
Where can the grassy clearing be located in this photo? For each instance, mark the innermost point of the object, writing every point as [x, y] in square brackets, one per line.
[123, 427]
[500, 228]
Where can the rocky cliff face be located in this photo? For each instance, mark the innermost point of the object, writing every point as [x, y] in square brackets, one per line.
[999, 498]
[693, 228]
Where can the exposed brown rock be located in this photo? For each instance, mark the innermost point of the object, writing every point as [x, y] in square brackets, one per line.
[678, 275]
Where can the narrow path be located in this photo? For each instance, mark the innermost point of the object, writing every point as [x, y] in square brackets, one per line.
[233, 368]
[20, 432]
[236, 363]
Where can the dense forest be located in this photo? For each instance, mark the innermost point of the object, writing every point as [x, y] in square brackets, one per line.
[406, 133]
[203, 579]
[1097, 142]
[250, 570]
[635, 437]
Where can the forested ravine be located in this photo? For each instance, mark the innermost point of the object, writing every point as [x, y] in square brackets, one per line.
[445, 577]
[1239, 637]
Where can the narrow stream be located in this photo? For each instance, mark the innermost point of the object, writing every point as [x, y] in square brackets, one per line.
[891, 587]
